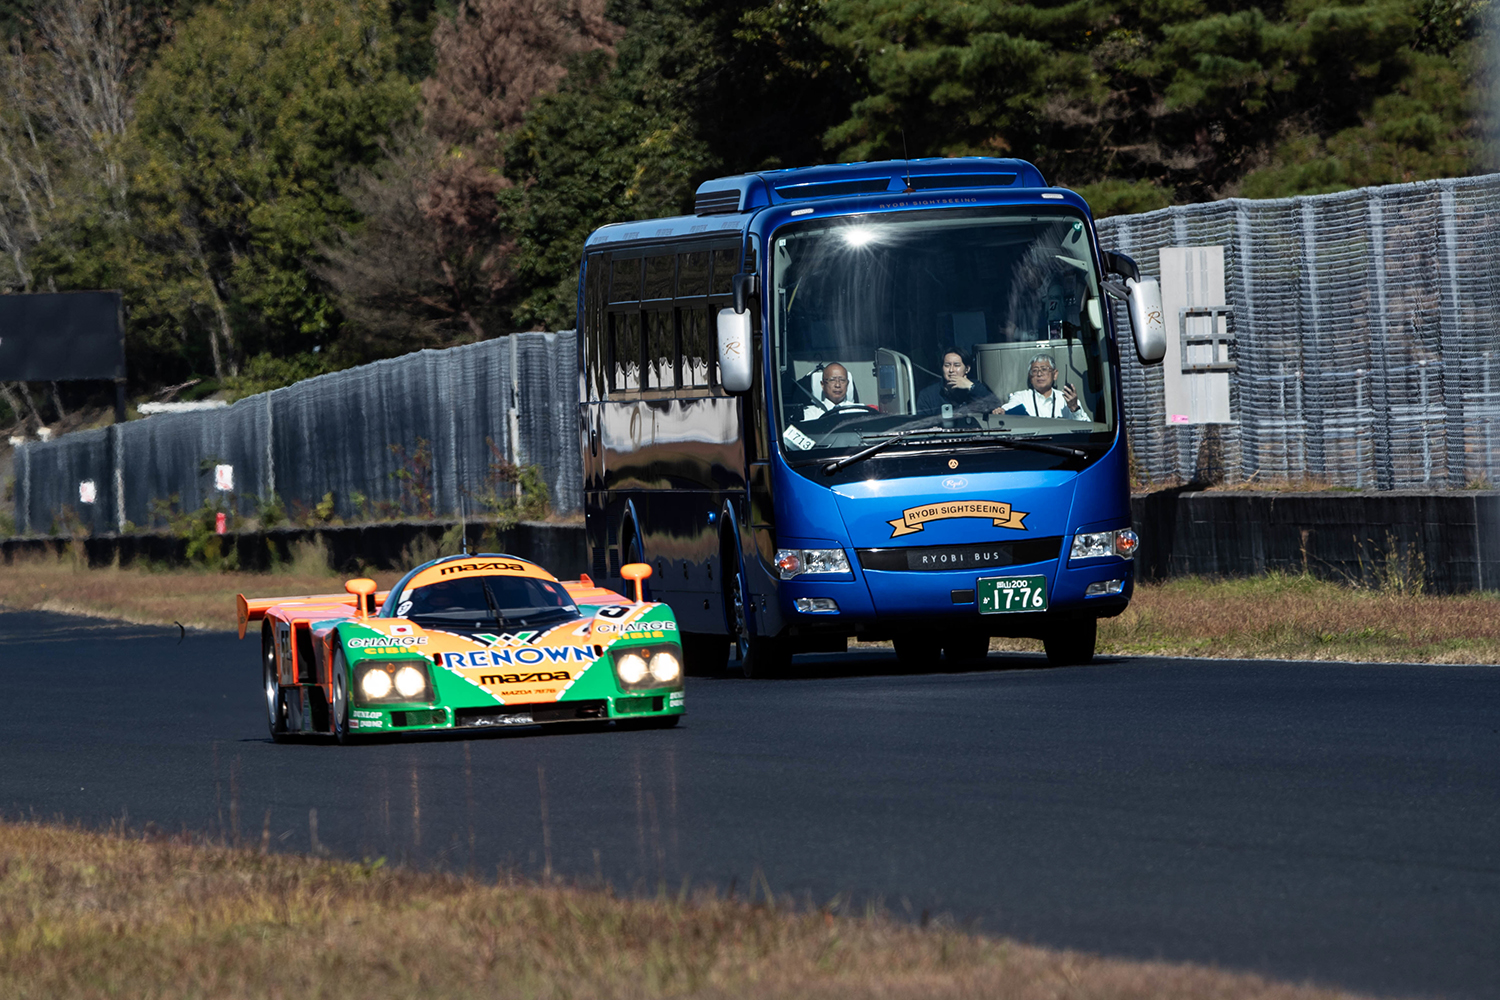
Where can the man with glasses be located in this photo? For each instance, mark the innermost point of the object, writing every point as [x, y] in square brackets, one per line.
[1041, 398]
[832, 394]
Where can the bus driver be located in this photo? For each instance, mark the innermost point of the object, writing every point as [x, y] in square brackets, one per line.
[1040, 398]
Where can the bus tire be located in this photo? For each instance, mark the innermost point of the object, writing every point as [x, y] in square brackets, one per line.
[967, 653]
[704, 655]
[917, 654]
[766, 658]
[1072, 645]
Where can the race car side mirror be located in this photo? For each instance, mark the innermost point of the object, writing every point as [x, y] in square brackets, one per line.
[364, 596]
[636, 572]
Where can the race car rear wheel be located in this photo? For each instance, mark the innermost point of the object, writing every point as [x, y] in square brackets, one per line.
[271, 682]
[340, 706]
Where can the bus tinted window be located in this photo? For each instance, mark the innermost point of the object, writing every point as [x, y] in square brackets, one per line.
[625, 352]
[626, 284]
[692, 278]
[661, 350]
[978, 323]
[725, 268]
[660, 272]
[697, 352]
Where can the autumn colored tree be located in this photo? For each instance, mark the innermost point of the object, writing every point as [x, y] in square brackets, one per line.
[428, 262]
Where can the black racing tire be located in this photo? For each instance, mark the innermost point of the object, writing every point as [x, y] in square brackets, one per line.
[704, 655]
[1072, 645]
[339, 710]
[917, 654]
[271, 685]
[655, 722]
[968, 652]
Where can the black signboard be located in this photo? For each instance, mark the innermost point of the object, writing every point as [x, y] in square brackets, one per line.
[61, 337]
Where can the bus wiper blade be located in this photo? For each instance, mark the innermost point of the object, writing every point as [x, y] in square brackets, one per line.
[1051, 449]
[876, 448]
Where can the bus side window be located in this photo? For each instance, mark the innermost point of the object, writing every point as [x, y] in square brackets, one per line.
[692, 273]
[697, 349]
[726, 266]
[661, 350]
[660, 272]
[625, 352]
[593, 333]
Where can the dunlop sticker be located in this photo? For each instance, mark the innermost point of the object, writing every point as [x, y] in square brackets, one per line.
[913, 519]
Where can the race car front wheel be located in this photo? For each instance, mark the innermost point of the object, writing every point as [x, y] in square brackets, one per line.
[271, 680]
[341, 699]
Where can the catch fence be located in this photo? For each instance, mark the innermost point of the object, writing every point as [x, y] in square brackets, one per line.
[424, 434]
[1368, 346]
[1367, 356]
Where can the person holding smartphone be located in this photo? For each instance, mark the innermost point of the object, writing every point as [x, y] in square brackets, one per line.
[1042, 398]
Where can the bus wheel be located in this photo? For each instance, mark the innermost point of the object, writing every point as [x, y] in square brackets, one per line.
[917, 654]
[704, 655]
[1072, 644]
[967, 653]
[761, 657]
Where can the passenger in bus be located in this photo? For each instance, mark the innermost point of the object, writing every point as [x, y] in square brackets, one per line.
[956, 389]
[1042, 398]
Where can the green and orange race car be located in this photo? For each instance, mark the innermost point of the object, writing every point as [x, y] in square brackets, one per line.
[466, 643]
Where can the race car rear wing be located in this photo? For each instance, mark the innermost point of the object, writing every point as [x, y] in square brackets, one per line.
[585, 591]
[253, 609]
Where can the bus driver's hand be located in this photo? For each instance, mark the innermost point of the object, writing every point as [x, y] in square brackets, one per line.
[1070, 396]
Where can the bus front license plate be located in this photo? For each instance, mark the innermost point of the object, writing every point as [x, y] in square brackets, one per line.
[1001, 594]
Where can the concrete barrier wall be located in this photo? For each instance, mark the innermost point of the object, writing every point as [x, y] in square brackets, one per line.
[1449, 541]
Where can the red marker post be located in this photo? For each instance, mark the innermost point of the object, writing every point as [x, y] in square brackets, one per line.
[221, 522]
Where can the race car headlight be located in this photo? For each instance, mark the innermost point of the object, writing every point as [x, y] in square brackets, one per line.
[631, 667]
[1122, 542]
[375, 684]
[378, 681]
[410, 682]
[649, 667]
[665, 667]
[795, 562]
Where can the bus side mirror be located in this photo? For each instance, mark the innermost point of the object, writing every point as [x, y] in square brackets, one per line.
[745, 288]
[1147, 324]
[1117, 263]
[735, 362]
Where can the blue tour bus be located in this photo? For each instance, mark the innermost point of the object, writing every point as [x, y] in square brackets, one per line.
[873, 400]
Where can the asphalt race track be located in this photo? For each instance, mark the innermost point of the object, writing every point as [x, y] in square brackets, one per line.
[1322, 822]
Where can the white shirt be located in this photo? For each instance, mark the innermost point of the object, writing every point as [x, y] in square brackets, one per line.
[1051, 405]
[813, 411]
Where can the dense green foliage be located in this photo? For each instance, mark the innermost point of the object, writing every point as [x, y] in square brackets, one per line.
[270, 150]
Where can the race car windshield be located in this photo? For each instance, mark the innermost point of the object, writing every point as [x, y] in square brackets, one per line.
[985, 325]
[518, 599]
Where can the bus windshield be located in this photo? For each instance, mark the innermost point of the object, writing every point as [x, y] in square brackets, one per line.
[945, 326]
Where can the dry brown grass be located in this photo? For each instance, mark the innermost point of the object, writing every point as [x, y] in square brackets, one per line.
[86, 915]
[1298, 617]
[1277, 615]
[196, 598]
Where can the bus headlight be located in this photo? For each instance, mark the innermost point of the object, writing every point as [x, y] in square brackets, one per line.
[1122, 542]
[795, 562]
